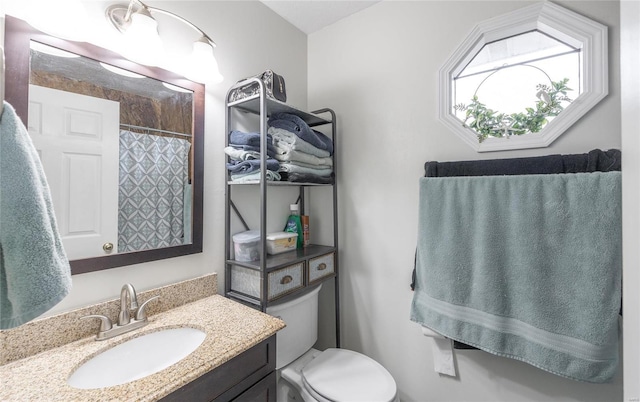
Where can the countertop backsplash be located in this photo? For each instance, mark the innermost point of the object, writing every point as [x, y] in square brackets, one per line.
[51, 332]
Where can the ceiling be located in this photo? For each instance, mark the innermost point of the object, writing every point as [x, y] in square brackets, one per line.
[312, 15]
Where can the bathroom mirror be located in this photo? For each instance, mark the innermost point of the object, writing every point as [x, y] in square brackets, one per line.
[121, 144]
[520, 80]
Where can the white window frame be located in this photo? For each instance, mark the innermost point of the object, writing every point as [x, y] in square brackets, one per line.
[559, 23]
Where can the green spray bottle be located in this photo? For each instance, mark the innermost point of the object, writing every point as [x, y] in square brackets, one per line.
[294, 224]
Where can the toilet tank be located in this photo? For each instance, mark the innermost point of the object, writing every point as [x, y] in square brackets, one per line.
[301, 316]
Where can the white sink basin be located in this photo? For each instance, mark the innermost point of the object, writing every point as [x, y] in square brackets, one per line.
[137, 358]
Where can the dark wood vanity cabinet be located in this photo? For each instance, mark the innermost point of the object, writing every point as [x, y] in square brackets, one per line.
[249, 376]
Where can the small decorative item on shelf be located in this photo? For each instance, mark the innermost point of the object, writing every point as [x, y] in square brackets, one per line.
[274, 85]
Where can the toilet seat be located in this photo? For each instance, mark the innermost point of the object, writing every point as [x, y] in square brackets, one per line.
[343, 375]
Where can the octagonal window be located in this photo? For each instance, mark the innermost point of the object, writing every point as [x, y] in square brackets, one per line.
[522, 79]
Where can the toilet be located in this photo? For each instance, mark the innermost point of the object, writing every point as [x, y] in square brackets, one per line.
[334, 375]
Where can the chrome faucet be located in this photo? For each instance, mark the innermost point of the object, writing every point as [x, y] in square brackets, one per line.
[127, 292]
[128, 306]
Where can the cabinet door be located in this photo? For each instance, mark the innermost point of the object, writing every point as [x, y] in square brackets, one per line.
[263, 391]
[232, 378]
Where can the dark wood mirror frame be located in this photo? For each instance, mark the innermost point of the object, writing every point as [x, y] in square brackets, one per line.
[18, 35]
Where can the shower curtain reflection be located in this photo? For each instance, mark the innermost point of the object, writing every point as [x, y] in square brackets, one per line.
[153, 179]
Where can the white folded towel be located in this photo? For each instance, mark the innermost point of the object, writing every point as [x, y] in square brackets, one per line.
[241, 154]
[302, 157]
[288, 141]
[294, 167]
[255, 177]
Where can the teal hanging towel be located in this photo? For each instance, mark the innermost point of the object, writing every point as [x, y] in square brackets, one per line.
[34, 269]
[527, 267]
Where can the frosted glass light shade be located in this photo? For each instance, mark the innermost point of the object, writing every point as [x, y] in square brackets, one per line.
[201, 65]
[142, 42]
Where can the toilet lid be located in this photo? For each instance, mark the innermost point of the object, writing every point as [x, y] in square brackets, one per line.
[344, 375]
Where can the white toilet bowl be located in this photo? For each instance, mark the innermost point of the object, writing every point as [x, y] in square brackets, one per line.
[335, 375]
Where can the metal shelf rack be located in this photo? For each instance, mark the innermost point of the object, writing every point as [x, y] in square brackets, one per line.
[309, 260]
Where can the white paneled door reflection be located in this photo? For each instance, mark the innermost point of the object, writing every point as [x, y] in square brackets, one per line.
[77, 139]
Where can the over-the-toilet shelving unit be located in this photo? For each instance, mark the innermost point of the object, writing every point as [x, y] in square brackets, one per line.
[277, 278]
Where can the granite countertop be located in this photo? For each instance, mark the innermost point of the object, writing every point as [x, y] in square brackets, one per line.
[231, 329]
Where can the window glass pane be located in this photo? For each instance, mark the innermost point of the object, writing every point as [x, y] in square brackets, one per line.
[506, 75]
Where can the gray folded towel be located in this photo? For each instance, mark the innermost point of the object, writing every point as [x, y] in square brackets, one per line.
[34, 269]
[296, 167]
[250, 141]
[299, 127]
[251, 165]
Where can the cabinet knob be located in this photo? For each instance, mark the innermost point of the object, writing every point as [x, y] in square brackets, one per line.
[286, 279]
[322, 267]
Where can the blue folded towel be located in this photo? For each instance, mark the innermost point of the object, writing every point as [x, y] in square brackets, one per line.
[241, 138]
[251, 165]
[527, 267]
[34, 270]
[294, 124]
[250, 141]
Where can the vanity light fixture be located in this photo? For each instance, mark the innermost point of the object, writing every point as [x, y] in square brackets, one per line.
[144, 45]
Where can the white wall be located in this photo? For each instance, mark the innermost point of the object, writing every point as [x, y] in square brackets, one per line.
[378, 69]
[250, 39]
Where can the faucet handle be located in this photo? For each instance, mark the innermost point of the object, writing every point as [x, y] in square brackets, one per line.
[105, 322]
[141, 313]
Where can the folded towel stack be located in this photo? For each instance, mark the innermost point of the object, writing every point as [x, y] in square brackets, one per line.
[305, 155]
[244, 157]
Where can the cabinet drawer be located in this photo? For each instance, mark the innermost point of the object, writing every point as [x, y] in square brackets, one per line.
[279, 282]
[285, 280]
[321, 267]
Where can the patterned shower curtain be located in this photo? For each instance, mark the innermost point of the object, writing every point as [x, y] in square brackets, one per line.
[153, 175]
